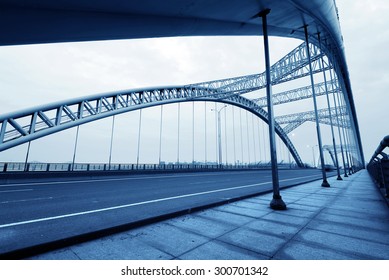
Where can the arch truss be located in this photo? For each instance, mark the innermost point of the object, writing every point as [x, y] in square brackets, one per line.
[28, 125]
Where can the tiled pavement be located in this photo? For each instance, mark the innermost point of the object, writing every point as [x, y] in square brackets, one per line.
[349, 220]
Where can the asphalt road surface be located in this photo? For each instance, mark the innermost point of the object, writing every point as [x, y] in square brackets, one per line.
[42, 212]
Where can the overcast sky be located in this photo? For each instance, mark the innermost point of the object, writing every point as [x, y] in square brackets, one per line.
[37, 74]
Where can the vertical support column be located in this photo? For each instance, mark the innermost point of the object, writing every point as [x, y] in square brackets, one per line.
[277, 203]
[324, 183]
[329, 110]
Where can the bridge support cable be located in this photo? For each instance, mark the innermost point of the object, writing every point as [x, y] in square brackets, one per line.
[258, 131]
[225, 134]
[27, 156]
[346, 133]
[350, 144]
[111, 144]
[241, 136]
[339, 134]
[217, 146]
[178, 131]
[160, 135]
[193, 132]
[205, 132]
[325, 182]
[277, 203]
[329, 110]
[139, 134]
[75, 147]
[218, 129]
[248, 137]
[347, 152]
[264, 143]
[345, 90]
[233, 132]
[253, 133]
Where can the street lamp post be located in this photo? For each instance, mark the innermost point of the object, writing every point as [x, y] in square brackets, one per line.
[219, 132]
[313, 155]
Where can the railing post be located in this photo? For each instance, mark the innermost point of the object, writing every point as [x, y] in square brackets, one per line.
[277, 203]
[325, 182]
[385, 174]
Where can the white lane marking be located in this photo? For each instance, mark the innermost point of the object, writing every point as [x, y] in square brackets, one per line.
[119, 179]
[203, 182]
[26, 200]
[22, 190]
[140, 203]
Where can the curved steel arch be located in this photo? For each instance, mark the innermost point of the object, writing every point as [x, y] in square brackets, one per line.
[45, 21]
[27, 125]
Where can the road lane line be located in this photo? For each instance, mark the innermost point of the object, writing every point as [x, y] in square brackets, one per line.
[120, 179]
[26, 200]
[22, 190]
[141, 203]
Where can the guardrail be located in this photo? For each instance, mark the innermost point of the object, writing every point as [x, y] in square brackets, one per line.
[378, 166]
[6, 167]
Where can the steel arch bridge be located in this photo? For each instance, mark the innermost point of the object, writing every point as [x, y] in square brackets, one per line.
[44, 21]
[31, 124]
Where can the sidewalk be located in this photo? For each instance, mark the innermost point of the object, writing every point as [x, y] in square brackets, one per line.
[349, 220]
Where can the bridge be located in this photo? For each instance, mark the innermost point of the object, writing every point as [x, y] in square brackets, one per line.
[93, 197]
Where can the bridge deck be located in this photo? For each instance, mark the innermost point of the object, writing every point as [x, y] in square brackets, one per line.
[350, 220]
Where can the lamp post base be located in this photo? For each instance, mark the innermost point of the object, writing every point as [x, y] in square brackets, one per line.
[277, 203]
[325, 184]
[339, 178]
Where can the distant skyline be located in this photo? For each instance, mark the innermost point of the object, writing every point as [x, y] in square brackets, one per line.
[32, 75]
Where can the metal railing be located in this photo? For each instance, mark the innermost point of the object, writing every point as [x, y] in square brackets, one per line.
[378, 166]
[6, 167]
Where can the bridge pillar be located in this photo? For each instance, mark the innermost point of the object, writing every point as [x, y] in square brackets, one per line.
[277, 203]
[325, 182]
